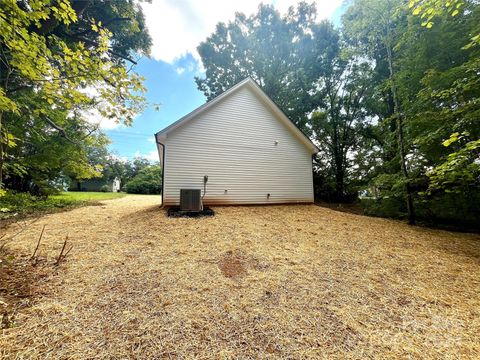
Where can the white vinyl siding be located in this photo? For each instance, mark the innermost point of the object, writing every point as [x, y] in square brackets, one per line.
[233, 142]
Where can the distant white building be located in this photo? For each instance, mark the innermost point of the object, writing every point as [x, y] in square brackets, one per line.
[95, 185]
[246, 146]
[116, 185]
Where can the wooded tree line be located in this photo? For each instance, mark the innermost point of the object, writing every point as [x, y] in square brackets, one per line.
[60, 59]
[390, 95]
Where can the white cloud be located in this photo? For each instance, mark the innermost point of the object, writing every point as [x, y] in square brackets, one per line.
[151, 139]
[178, 26]
[180, 70]
[151, 155]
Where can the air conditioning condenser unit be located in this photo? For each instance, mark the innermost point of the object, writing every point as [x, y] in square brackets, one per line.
[190, 200]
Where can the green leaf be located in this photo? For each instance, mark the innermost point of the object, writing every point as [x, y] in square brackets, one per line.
[453, 138]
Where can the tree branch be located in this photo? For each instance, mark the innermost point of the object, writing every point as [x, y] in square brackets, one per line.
[89, 30]
[91, 42]
[61, 130]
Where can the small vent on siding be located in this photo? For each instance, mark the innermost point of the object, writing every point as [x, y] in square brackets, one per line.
[190, 200]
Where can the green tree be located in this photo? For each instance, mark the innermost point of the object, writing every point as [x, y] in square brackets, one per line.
[447, 127]
[375, 25]
[58, 58]
[437, 92]
[114, 167]
[125, 170]
[147, 181]
[277, 52]
[337, 123]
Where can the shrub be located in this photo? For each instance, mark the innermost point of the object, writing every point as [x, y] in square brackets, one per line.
[13, 203]
[451, 210]
[147, 181]
[390, 207]
[105, 188]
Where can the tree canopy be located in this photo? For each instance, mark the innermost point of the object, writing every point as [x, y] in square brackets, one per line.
[277, 52]
[58, 59]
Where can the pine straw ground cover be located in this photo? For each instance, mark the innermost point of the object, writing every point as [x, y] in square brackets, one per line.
[291, 282]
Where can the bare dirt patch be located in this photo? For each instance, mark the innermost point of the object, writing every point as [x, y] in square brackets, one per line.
[292, 282]
[233, 265]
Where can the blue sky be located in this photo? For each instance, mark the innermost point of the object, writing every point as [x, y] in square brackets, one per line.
[177, 94]
[177, 27]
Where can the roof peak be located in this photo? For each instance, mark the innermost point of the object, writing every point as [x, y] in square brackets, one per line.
[258, 91]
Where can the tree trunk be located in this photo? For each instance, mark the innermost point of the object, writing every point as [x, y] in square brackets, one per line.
[401, 142]
[337, 159]
[1, 151]
[3, 139]
[339, 183]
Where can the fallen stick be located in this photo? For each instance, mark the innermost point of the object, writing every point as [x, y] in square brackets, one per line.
[4, 243]
[38, 243]
[62, 256]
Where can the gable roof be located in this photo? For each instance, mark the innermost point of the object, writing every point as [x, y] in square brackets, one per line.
[262, 96]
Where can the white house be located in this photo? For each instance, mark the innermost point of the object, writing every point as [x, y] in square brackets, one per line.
[250, 151]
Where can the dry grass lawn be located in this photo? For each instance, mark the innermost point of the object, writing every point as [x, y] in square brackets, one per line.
[292, 282]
